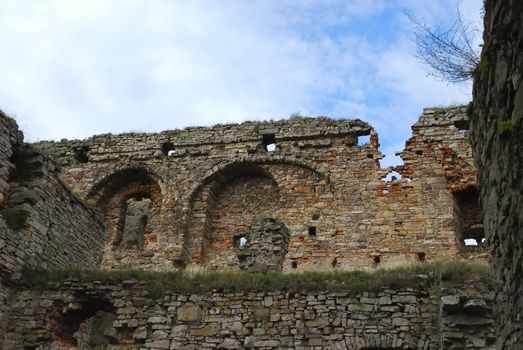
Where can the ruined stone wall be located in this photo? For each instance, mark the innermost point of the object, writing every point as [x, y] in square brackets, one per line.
[439, 153]
[497, 134]
[79, 315]
[41, 223]
[10, 138]
[206, 185]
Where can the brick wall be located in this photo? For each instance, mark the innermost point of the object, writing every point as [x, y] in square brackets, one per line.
[200, 180]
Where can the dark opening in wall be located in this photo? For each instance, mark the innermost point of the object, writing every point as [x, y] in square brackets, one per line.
[377, 259]
[312, 231]
[168, 149]
[81, 154]
[469, 218]
[134, 222]
[315, 217]
[83, 316]
[269, 142]
[294, 265]
[334, 262]
[421, 256]
[462, 124]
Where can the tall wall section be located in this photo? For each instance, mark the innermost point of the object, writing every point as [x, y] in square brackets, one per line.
[187, 197]
[497, 134]
[41, 223]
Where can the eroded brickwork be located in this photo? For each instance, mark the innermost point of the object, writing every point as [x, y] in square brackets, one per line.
[205, 186]
[74, 315]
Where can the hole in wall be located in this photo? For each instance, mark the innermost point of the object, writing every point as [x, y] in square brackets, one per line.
[469, 218]
[82, 320]
[393, 175]
[334, 262]
[269, 142]
[312, 231]
[294, 265]
[462, 124]
[363, 139]
[135, 222]
[315, 217]
[370, 156]
[421, 256]
[168, 149]
[377, 259]
[419, 153]
[240, 241]
[81, 154]
[470, 242]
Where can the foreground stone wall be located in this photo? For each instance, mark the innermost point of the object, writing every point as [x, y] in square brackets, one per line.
[41, 223]
[72, 315]
[497, 126]
[201, 187]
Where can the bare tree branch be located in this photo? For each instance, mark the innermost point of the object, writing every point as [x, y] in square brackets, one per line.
[450, 53]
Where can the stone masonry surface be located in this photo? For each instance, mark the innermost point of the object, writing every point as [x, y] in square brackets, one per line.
[41, 222]
[204, 186]
[79, 315]
[183, 199]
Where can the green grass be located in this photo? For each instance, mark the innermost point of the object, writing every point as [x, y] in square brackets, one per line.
[158, 283]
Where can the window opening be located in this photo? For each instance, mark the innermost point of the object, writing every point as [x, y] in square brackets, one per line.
[269, 142]
[469, 218]
[312, 231]
[294, 265]
[315, 217]
[81, 154]
[462, 124]
[135, 221]
[421, 256]
[240, 241]
[363, 139]
[168, 149]
[377, 259]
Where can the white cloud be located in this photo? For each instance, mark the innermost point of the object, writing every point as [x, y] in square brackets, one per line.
[73, 69]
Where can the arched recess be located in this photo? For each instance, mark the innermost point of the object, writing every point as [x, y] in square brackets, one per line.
[130, 201]
[222, 209]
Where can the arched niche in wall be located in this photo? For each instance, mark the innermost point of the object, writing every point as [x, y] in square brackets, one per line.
[130, 201]
[223, 208]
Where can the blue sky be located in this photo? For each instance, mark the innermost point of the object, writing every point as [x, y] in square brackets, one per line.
[74, 68]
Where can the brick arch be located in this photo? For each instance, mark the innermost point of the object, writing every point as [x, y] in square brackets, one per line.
[198, 212]
[259, 160]
[206, 199]
[120, 178]
[130, 200]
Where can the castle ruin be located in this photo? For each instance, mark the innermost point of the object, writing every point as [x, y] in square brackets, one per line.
[201, 198]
